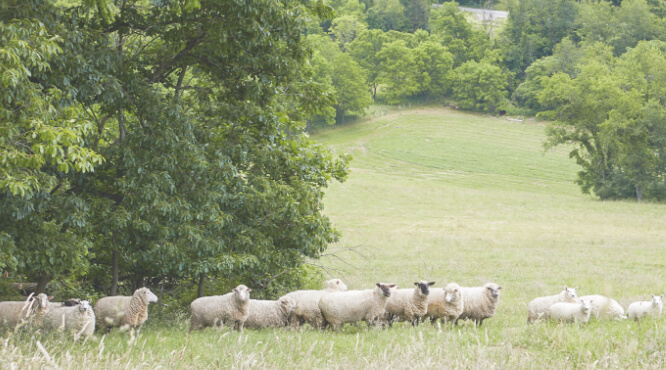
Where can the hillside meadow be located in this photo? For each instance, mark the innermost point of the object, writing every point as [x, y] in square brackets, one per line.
[446, 196]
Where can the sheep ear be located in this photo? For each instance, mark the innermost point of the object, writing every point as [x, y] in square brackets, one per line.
[431, 283]
[499, 288]
[234, 290]
[565, 287]
[49, 298]
[392, 286]
[337, 282]
[416, 283]
[652, 296]
[249, 290]
[379, 285]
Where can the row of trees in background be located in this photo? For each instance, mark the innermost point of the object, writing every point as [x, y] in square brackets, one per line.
[552, 60]
[451, 59]
[147, 142]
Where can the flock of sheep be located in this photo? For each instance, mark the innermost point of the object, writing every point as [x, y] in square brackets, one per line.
[567, 307]
[76, 315]
[330, 307]
[335, 305]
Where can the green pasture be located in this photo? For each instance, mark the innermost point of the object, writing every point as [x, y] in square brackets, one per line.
[446, 196]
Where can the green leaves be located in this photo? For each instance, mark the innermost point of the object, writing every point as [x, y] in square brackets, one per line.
[479, 86]
[613, 113]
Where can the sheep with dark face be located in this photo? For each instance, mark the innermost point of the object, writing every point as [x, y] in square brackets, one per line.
[124, 312]
[479, 303]
[31, 311]
[357, 305]
[408, 304]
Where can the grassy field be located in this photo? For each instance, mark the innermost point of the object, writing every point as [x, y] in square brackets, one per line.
[446, 196]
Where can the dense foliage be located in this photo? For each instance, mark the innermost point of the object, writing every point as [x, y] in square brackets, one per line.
[152, 142]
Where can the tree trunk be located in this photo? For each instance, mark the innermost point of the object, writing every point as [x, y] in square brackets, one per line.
[639, 192]
[138, 283]
[202, 279]
[114, 272]
[41, 284]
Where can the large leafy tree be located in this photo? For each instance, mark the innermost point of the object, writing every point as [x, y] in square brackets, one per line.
[533, 28]
[479, 86]
[397, 71]
[450, 27]
[612, 113]
[433, 63]
[351, 91]
[204, 171]
[620, 26]
[388, 15]
[365, 50]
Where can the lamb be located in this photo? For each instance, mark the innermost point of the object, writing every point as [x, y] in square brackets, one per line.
[604, 307]
[269, 314]
[124, 312]
[79, 319]
[640, 309]
[570, 312]
[446, 304]
[230, 309]
[538, 307]
[353, 306]
[479, 303]
[307, 304]
[408, 304]
[31, 311]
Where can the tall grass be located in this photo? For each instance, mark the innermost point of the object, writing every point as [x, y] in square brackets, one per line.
[446, 196]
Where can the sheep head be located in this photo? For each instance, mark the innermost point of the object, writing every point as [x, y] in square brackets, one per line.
[493, 290]
[386, 288]
[242, 293]
[424, 286]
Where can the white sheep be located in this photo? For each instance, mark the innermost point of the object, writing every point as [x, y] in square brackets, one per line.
[479, 303]
[230, 309]
[602, 307]
[538, 307]
[640, 309]
[269, 314]
[79, 319]
[354, 306]
[408, 304]
[446, 304]
[123, 311]
[570, 312]
[31, 311]
[307, 304]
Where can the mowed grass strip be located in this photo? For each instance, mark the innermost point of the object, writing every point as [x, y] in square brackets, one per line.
[447, 196]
